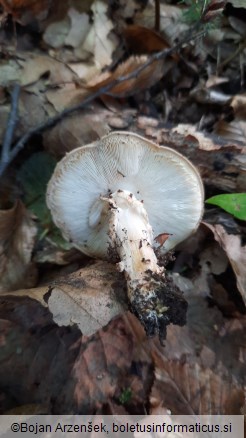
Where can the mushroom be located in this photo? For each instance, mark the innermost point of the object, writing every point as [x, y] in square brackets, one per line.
[114, 199]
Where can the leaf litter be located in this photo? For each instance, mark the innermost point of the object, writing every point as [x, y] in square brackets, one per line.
[193, 101]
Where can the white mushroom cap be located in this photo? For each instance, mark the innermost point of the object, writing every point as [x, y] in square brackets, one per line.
[168, 184]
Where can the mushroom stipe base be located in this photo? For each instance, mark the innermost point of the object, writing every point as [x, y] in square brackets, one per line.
[161, 306]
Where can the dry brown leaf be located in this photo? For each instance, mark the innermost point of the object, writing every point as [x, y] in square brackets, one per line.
[88, 298]
[65, 97]
[17, 237]
[234, 131]
[235, 252]
[55, 366]
[84, 70]
[238, 103]
[56, 33]
[37, 66]
[191, 133]
[78, 130]
[171, 22]
[98, 41]
[10, 72]
[142, 40]
[25, 10]
[148, 77]
[79, 28]
[201, 370]
[187, 389]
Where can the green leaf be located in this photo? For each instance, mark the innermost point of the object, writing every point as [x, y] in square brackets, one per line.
[234, 203]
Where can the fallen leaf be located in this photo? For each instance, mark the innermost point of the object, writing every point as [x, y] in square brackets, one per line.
[78, 130]
[10, 72]
[38, 65]
[25, 10]
[161, 239]
[17, 238]
[235, 252]
[238, 103]
[187, 389]
[56, 32]
[234, 131]
[143, 80]
[56, 367]
[98, 41]
[65, 97]
[171, 22]
[88, 298]
[142, 40]
[79, 28]
[190, 132]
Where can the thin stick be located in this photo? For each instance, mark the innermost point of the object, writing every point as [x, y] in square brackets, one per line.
[68, 111]
[157, 15]
[13, 117]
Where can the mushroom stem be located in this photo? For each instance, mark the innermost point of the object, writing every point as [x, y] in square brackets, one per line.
[131, 237]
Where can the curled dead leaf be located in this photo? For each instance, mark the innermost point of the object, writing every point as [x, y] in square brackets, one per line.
[17, 237]
[235, 252]
[142, 40]
[161, 239]
[143, 80]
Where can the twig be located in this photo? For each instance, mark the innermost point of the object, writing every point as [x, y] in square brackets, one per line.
[157, 15]
[53, 121]
[13, 117]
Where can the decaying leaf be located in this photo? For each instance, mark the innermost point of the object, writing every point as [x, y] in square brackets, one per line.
[142, 40]
[56, 33]
[37, 66]
[141, 81]
[79, 28]
[234, 131]
[88, 298]
[17, 237]
[235, 252]
[171, 23]
[83, 128]
[25, 10]
[98, 41]
[238, 103]
[55, 366]
[190, 132]
[189, 389]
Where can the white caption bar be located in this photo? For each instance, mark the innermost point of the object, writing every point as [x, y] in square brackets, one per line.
[156, 426]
